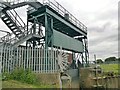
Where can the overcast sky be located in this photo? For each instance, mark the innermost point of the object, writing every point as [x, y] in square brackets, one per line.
[101, 19]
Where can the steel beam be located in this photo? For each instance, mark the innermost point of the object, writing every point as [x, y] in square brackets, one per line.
[65, 22]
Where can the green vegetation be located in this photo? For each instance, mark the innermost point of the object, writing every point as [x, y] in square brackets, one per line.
[99, 61]
[21, 78]
[109, 60]
[18, 84]
[110, 64]
[0, 77]
[110, 68]
[19, 74]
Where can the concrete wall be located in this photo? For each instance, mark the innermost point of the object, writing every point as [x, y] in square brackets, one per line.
[112, 82]
[49, 79]
[54, 79]
[74, 83]
[73, 72]
[88, 79]
[85, 79]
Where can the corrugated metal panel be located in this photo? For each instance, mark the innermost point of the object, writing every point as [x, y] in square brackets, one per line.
[67, 42]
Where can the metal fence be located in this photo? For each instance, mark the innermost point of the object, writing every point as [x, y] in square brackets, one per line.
[35, 59]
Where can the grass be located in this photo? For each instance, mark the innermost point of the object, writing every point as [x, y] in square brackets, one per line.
[17, 84]
[110, 68]
[0, 77]
[21, 78]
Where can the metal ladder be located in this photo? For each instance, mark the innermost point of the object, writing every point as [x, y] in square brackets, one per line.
[13, 23]
[12, 20]
[10, 17]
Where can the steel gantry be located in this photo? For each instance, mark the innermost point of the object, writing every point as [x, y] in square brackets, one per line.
[51, 32]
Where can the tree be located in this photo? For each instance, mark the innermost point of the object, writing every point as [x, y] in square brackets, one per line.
[110, 59]
[118, 60]
[99, 61]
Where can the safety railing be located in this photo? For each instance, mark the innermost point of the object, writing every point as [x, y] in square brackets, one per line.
[59, 8]
[32, 58]
[5, 38]
[62, 11]
[20, 1]
[54, 5]
[17, 20]
[12, 39]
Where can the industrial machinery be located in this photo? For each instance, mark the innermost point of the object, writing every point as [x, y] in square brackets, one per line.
[52, 40]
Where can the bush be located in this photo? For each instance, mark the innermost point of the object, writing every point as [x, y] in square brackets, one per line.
[6, 76]
[22, 75]
[16, 74]
[30, 78]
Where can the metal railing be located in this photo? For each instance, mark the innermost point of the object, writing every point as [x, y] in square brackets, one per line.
[9, 38]
[12, 39]
[62, 11]
[58, 8]
[20, 1]
[54, 5]
[17, 20]
[32, 58]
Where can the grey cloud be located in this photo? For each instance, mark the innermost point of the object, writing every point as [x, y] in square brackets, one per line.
[110, 14]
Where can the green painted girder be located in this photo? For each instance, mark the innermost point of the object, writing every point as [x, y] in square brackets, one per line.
[59, 22]
[66, 42]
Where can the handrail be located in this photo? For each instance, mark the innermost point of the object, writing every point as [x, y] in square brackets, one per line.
[62, 11]
[12, 40]
[15, 19]
[19, 17]
[58, 8]
[6, 38]
[19, 1]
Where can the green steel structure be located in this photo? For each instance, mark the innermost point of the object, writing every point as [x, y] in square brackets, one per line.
[50, 27]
